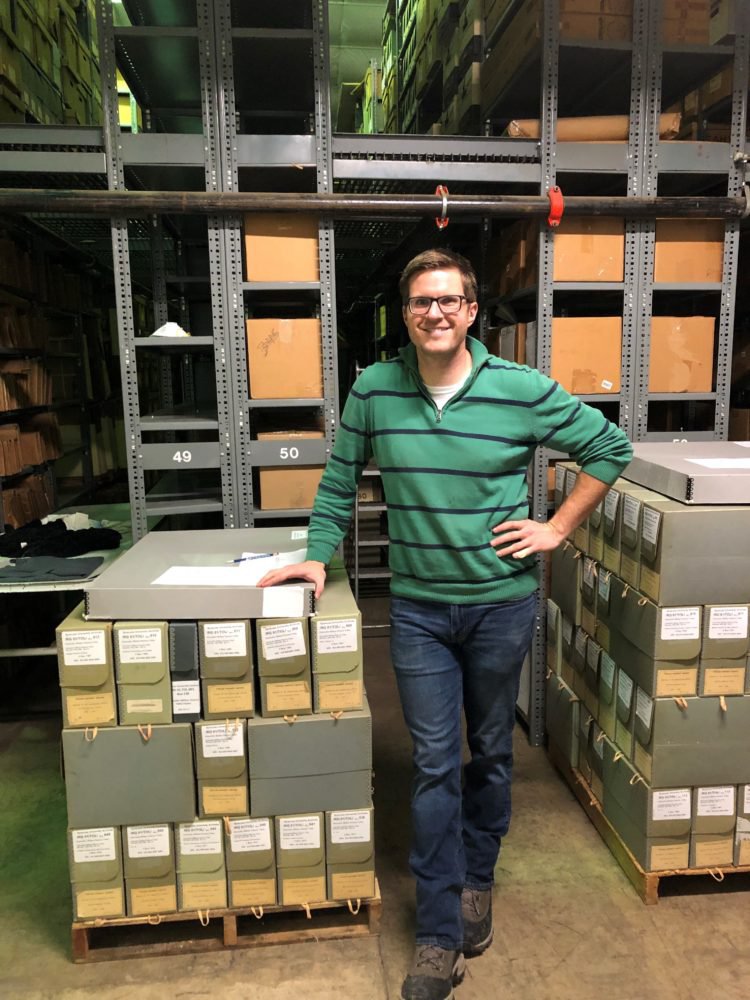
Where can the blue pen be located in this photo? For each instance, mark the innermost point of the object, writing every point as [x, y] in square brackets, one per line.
[258, 555]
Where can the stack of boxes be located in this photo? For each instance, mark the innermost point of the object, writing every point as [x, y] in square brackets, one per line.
[648, 693]
[189, 790]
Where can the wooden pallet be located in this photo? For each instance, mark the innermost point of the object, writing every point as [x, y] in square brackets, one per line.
[182, 933]
[646, 884]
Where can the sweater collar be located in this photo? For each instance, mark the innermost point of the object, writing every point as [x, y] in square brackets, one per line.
[479, 356]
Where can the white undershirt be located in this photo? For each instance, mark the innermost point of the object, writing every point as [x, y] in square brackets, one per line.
[442, 393]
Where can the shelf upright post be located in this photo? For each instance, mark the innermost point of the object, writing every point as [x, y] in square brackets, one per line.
[122, 272]
[548, 129]
[159, 286]
[730, 263]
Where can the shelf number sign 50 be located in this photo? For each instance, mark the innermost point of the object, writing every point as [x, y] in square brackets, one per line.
[287, 453]
[183, 456]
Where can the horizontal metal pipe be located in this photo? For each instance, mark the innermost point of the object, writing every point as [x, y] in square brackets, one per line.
[137, 203]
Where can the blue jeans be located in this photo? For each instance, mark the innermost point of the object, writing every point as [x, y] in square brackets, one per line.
[446, 655]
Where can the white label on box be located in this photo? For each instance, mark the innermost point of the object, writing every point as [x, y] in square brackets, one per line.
[680, 623]
[559, 478]
[721, 463]
[671, 803]
[603, 585]
[650, 525]
[598, 744]
[283, 602]
[146, 706]
[567, 631]
[644, 707]
[717, 800]
[140, 645]
[200, 837]
[581, 638]
[225, 639]
[82, 648]
[589, 575]
[351, 826]
[223, 740]
[186, 697]
[607, 669]
[570, 480]
[624, 688]
[96, 844]
[607, 384]
[727, 623]
[610, 505]
[746, 800]
[338, 636]
[148, 841]
[592, 655]
[631, 510]
[280, 642]
[299, 833]
[250, 835]
[552, 612]
[298, 534]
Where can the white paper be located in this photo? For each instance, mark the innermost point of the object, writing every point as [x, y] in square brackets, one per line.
[680, 623]
[257, 564]
[610, 505]
[746, 798]
[95, 844]
[224, 639]
[283, 602]
[246, 573]
[299, 833]
[717, 800]
[721, 463]
[351, 826]
[140, 645]
[671, 803]
[624, 688]
[200, 837]
[607, 668]
[644, 708]
[148, 841]
[337, 636]
[581, 639]
[603, 585]
[631, 509]
[559, 479]
[186, 697]
[223, 740]
[588, 573]
[280, 642]
[567, 631]
[729, 622]
[82, 648]
[570, 480]
[650, 525]
[250, 835]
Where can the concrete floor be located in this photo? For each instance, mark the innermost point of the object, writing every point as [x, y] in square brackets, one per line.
[568, 924]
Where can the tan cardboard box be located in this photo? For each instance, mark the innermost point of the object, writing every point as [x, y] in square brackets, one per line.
[285, 358]
[289, 488]
[586, 353]
[688, 250]
[589, 250]
[682, 354]
[281, 247]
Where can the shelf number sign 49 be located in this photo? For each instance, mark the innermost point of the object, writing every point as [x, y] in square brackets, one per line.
[183, 456]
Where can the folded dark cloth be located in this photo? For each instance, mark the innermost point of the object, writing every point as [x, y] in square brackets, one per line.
[48, 569]
[54, 539]
[14, 541]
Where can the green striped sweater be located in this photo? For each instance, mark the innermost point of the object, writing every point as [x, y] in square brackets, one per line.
[450, 477]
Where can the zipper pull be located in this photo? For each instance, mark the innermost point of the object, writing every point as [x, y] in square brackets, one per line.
[439, 416]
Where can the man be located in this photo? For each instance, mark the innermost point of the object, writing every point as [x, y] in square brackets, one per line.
[453, 430]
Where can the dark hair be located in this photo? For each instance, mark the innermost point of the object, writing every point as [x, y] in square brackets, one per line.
[439, 260]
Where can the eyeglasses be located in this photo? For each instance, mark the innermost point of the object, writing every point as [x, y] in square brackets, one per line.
[420, 305]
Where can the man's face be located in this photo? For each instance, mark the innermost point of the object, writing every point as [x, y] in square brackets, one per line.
[435, 335]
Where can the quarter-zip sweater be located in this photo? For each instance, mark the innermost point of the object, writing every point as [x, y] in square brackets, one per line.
[450, 477]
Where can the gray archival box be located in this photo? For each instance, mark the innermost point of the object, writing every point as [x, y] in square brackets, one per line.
[694, 471]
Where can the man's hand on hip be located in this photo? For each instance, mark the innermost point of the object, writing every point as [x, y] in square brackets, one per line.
[523, 538]
[312, 571]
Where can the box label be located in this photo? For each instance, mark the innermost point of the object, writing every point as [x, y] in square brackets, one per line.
[222, 640]
[650, 526]
[253, 892]
[603, 586]
[148, 841]
[99, 903]
[95, 844]
[186, 697]
[723, 680]
[629, 570]
[567, 631]
[570, 480]
[727, 623]
[298, 534]
[649, 582]
[552, 612]
[746, 800]
[670, 683]
[581, 640]
[250, 835]
[140, 645]
[598, 743]
[144, 706]
[90, 709]
[283, 602]
[668, 856]
[299, 833]
[225, 740]
[351, 826]
[624, 689]
[222, 800]
[714, 852]
[354, 885]
[559, 479]
[589, 574]
[592, 655]
[155, 899]
[610, 506]
[229, 698]
[717, 800]
[672, 803]
[337, 636]
[631, 512]
[644, 708]
[281, 642]
[200, 837]
[83, 648]
[303, 890]
[607, 669]
[204, 895]
[339, 695]
[680, 623]
[643, 760]
[290, 695]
